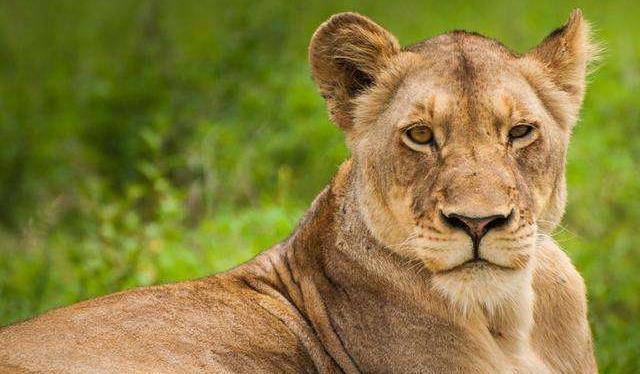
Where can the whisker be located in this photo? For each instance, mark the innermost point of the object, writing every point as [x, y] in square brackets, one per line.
[411, 263]
[404, 242]
[549, 237]
[562, 229]
[516, 247]
[512, 239]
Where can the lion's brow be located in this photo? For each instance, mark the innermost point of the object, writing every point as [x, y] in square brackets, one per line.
[424, 110]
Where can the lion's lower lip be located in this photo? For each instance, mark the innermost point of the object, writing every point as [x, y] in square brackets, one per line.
[478, 263]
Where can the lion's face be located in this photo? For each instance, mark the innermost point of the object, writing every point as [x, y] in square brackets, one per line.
[468, 193]
[458, 143]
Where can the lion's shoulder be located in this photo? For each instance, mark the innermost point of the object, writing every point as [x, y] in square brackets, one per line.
[555, 275]
[561, 331]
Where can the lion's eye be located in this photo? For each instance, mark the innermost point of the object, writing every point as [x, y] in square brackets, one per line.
[420, 134]
[520, 131]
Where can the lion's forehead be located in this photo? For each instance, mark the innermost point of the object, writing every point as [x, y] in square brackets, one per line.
[436, 93]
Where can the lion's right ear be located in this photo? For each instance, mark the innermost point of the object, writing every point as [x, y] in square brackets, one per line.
[566, 54]
[346, 54]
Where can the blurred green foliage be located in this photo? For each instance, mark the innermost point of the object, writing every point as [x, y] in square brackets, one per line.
[153, 141]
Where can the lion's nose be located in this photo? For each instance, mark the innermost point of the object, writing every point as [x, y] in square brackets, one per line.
[476, 227]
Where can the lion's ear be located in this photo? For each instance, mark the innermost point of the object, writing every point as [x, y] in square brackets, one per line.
[566, 54]
[346, 54]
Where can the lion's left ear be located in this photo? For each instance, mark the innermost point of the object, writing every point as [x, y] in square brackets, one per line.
[346, 54]
[566, 54]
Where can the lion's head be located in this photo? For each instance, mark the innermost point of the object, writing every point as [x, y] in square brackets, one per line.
[458, 143]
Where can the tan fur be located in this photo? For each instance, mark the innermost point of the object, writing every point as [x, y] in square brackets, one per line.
[373, 279]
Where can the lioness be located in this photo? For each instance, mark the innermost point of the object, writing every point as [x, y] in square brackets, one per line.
[429, 252]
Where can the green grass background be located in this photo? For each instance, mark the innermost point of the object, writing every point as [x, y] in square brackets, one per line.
[144, 142]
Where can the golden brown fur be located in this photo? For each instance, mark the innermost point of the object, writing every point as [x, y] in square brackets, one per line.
[378, 277]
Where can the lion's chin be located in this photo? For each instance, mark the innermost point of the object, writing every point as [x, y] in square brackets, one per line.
[481, 283]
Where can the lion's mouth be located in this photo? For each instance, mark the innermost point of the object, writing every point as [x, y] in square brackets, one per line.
[478, 263]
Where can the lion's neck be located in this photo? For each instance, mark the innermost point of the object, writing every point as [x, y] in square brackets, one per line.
[347, 260]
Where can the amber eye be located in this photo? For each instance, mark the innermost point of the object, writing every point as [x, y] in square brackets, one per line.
[420, 134]
[520, 131]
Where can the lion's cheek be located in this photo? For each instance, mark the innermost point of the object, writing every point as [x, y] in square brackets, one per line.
[385, 214]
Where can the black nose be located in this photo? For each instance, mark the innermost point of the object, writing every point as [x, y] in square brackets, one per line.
[476, 227]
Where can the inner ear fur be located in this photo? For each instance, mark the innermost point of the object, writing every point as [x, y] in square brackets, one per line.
[567, 53]
[346, 54]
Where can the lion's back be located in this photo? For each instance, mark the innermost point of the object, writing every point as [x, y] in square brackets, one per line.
[204, 325]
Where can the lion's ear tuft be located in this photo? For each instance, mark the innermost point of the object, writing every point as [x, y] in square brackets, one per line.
[346, 54]
[567, 53]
